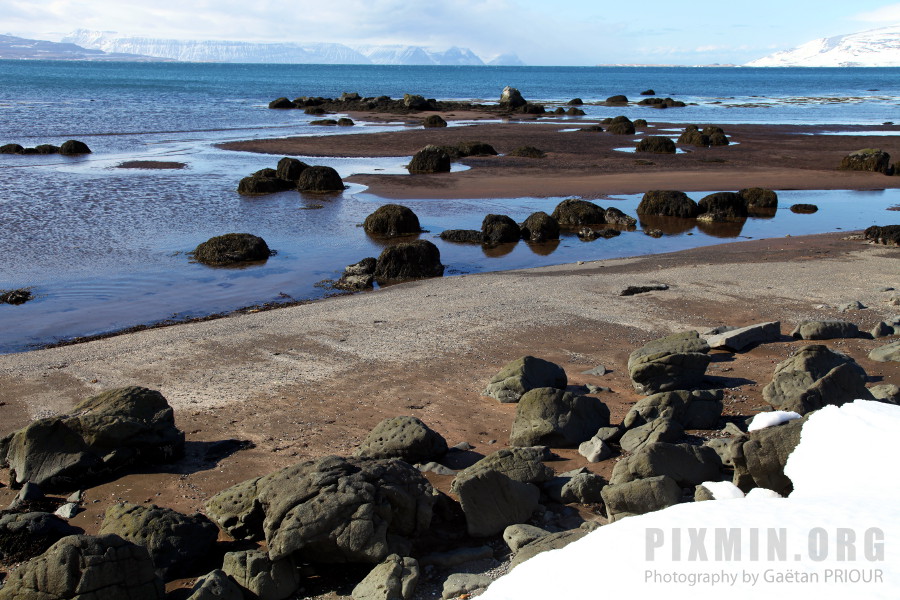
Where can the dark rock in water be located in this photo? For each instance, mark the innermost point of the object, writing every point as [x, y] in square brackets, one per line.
[559, 111]
[587, 234]
[325, 122]
[632, 290]
[621, 125]
[345, 122]
[889, 235]
[475, 148]
[524, 374]
[675, 362]
[815, 377]
[804, 209]
[533, 109]
[528, 152]
[266, 181]
[176, 542]
[592, 129]
[616, 100]
[260, 577]
[553, 417]
[510, 97]
[824, 330]
[575, 112]
[417, 102]
[434, 121]
[463, 236]
[12, 149]
[314, 110]
[232, 248]
[73, 147]
[656, 144]
[868, 159]
[15, 296]
[281, 103]
[649, 92]
[430, 159]
[320, 179]
[392, 220]
[539, 227]
[500, 229]
[667, 203]
[411, 260]
[614, 216]
[107, 433]
[759, 198]
[46, 149]
[718, 139]
[662, 103]
[26, 535]
[574, 212]
[693, 137]
[575, 102]
[723, 206]
[85, 566]
[406, 438]
[640, 122]
[290, 169]
[640, 496]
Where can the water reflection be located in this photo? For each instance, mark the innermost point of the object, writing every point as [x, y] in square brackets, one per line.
[726, 229]
[668, 225]
[543, 248]
[763, 213]
[498, 250]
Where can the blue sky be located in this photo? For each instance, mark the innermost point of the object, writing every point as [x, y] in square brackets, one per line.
[573, 32]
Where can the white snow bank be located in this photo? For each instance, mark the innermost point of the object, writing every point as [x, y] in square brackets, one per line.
[769, 419]
[723, 490]
[837, 534]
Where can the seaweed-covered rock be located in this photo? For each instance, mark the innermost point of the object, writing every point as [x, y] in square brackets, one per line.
[574, 212]
[463, 236]
[889, 235]
[528, 152]
[345, 122]
[621, 125]
[693, 137]
[723, 206]
[640, 122]
[667, 203]
[540, 227]
[868, 159]
[416, 102]
[290, 169]
[410, 260]
[657, 144]
[12, 149]
[264, 181]
[320, 179]
[46, 149]
[232, 248]
[406, 438]
[556, 418]
[392, 220]
[74, 147]
[430, 159]
[15, 297]
[617, 100]
[756, 197]
[524, 374]
[434, 121]
[281, 103]
[499, 229]
[475, 148]
[804, 209]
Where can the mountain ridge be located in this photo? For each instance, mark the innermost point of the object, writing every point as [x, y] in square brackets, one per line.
[871, 48]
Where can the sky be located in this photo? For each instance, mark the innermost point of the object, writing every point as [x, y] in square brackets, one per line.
[575, 32]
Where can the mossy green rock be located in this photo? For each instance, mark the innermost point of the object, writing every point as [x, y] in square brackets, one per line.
[524, 374]
[232, 248]
[675, 362]
[553, 417]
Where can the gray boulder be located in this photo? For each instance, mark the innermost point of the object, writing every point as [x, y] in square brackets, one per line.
[216, 585]
[510, 97]
[464, 584]
[554, 541]
[675, 362]
[237, 511]
[492, 501]
[886, 392]
[406, 438]
[640, 497]
[657, 430]
[552, 417]
[824, 330]
[759, 457]
[698, 409]
[26, 535]
[519, 464]
[522, 375]
[264, 578]
[394, 578]
[688, 465]
[595, 450]
[583, 488]
[743, 337]
[887, 353]
[813, 377]
[517, 536]
[86, 567]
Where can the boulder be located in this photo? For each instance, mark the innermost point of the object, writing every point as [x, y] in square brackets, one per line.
[688, 465]
[623, 126]
[886, 392]
[524, 374]
[499, 229]
[540, 227]
[588, 234]
[723, 206]
[756, 197]
[614, 216]
[745, 337]
[553, 541]
[649, 92]
[46, 149]
[176, 542]
[813, 377]
[81, 567]
[675, 362]
[330, 510]
[263, 577]
[693, 137]
[15, 297]
[524, 465]
[556, 418]
[492, 501]
[74, 147]
[475, 148]
[392, 220]
[393, 579]
[640, 497]
[657, 144]
[574, 212]
[583, 488]
[416, 102]
[657, 430]
[718, 139]
[320, 180]
[667, 203]
[345, 122]
[699, 409]
[231, 248]
[290, 169]
[281, 103]
[216, 585]
[640, 122]
[528, 152]
[887, 353]
[868, 159]
[517, 536]
[595, 450]
[409, 260]
[12, 149]
[358, 276]
[617, 100]
[824, 330]
[511, 98]
[430, 159]
[464, 585]
[264, 181]
[889, 235]
[26, 535]
[463, 236]
[105, 434]
[324, 122]
[760, 456]
[406, 438]
[434, 121]
[804, 209]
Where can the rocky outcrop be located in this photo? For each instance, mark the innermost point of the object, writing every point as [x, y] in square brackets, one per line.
[868, 159]
[406, 438]
[675, 362]
[411, 260]
[430, 159]
[320, 180]
[556, 418]
[511, 98]
[524, 374]
[15, 297]
[231, 248]
[540, 227]
[392, 220]
[657, 144]
[499, 229]
[574, 212]
[667, 203]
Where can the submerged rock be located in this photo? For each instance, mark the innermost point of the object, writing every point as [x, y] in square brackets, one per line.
[231, 248]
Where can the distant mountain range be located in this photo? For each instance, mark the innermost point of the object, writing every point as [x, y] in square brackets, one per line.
[872, 48]
[285, 52]
[12, 47]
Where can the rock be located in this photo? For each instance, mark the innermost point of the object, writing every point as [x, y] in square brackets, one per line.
[868, 159]
[540, 227]
[511, 98]
[583, 488]
[46, 149]
[889, 235]
[649, 92]
[554, 541]
[175, 541]
[355, 283]
[718, 139]
[314, 110]
[661, 103]
[30, 492]
[621, 126]
[290, 169]
[216, 585]
[463, 236]
[73, 147]
[760, 456]
[464, 584]
[815, 377]
[824, 330]
[475, 148]
[457, 556]
[524, 374]
[656, 144]
[392, 220]
[86, 567]
[853, 305]
[430, 159]
[528, 152]
[675, 362]
[105, 434]
[393, 579]
[492, 501]
[499, 229]
[324, 122]
[887, 353]
[410, 260]
[633, 290]
[330, 509]
[15, 297]
[436, 468]
[434, 121]
[519, 464]
[688, 465]
[640, 497]
[281, 103]
[345, 122]
[574, 212]
[575, 102]
[575, 112]
[231, 248]
[556, 418]
[406, 438]
[658, 430]
[616, 100]
[264, 181]
[693, 137]
[416, 102]
[886, 392]
[364, 267]
[702, 494]
[594, 450]
[67, 510]
[263, 577]
[759, 198]
[804, 209]
[519, 535]
[723, 206]
[667, 203]
[320, 180]
[614, 216]
[587, 234]
[12, 149]
[640, 122]
[26, 535]
[745, 337]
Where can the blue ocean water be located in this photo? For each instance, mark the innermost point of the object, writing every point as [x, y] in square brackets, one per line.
[103, 248]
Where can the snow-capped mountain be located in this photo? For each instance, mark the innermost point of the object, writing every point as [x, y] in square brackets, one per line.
[872, 48]
[286, 52]
[507, 59]
[23, 48]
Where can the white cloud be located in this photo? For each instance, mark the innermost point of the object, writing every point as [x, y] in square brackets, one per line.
[886, 14]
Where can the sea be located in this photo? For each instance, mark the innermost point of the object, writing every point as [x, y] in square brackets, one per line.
[104, 248]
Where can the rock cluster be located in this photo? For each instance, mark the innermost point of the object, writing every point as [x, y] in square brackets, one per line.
[291, 174]
[68, 148]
